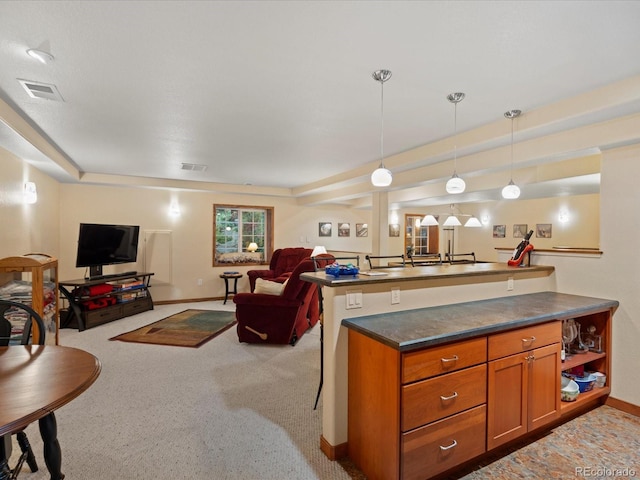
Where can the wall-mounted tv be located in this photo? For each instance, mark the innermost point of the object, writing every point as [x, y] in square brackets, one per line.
[100, 244]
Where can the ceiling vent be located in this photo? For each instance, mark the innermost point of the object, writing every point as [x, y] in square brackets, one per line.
[193, 167]
[41, 90]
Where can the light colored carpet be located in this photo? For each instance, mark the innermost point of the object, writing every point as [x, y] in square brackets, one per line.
[226, 410]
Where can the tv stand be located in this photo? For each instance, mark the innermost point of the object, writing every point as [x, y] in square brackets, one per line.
[130, 295]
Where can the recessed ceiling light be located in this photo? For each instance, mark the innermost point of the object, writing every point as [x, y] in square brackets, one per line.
[40, 55]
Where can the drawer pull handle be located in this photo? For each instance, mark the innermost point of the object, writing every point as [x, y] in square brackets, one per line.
[452, 359]
[448, 447]
[529, 340]
[444, 399]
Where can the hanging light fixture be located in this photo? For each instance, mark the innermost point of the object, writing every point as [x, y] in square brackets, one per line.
[429, 221]
[473, 222]
[381, 176]
[511, 191]
[452, 220]
[455, 184]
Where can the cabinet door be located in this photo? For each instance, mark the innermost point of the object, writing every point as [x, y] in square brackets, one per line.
[507, 397]
[544, 386]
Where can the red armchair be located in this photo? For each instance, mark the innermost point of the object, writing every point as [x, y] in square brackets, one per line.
[280, 319]
[282, 263]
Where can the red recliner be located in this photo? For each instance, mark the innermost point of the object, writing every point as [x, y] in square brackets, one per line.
[282, 263]
[280, 319]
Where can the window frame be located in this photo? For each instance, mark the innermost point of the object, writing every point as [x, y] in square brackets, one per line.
[268, 234]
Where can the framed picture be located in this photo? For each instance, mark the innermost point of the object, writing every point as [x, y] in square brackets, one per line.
[394, 230]
[344, 229]
[362, 229]
[543, 230]
[324, 229]
[499, 231]
[519, 230]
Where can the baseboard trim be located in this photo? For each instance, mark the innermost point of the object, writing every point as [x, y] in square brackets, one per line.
[332, 452]
[623, 406]
[187, 300]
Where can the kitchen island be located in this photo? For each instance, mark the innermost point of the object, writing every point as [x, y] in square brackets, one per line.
[396, 290]
[432, 388]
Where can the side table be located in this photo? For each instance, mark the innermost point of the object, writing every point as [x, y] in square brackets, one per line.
[226, 276]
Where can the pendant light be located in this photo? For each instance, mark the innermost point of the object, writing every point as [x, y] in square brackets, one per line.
[455, 184]
[381, 176]
[511, 191]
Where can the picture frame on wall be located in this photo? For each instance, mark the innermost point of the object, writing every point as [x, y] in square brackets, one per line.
[499, 231]
[520, 230]
[362, 229]
[344, 229]
[324, 229]
[543, 230]
[394, 230]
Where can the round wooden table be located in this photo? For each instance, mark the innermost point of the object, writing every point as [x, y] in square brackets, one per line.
[35, 380]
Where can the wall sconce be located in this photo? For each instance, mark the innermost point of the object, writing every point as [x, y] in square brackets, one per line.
[485, 219]
[30, 193]
[563, 217]
[174, 209]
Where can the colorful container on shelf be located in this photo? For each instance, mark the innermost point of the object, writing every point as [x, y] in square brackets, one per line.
[337, 270]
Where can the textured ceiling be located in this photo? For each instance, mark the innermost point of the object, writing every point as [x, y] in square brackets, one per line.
[279, 94]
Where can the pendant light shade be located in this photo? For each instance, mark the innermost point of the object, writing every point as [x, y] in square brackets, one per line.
[511, 191]
[451, 221]
[473, 222]
[381, 176]
[455, 184]
[429, 221]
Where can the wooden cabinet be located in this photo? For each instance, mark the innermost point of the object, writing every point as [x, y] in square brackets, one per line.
[417, 414]
[32, 279]
[523, 388]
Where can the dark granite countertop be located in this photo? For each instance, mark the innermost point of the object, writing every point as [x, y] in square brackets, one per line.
[431, 272]
[423, 327]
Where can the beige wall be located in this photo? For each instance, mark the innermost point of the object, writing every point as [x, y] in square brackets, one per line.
[27, 228]
[192, 231]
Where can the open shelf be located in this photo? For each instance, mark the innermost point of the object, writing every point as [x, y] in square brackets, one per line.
[583, 398]
[578, 359]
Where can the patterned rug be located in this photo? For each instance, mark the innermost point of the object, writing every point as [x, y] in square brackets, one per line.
[190, 328]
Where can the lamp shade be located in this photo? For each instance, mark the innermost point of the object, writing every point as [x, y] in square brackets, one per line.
[455, 184]
[253, 246]
[511, 191]
[429, 221]
[381, 177]
[452, 221]
[473, 222]
[317, 250]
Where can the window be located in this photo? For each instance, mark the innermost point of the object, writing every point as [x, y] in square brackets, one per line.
[236, 228]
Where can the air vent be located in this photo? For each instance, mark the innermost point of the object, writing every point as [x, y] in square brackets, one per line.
[41, 90]
[193, 167]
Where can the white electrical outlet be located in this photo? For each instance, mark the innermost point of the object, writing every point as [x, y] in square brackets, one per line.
[199, 282]
[510, 283]
[395, 296]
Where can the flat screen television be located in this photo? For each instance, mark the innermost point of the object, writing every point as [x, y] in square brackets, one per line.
[100, 244]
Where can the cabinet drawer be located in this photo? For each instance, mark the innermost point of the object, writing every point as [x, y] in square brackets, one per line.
[447, 358]
[435, 448]
[429, 400]
[136, 306]
[102, 315]
[523, 339]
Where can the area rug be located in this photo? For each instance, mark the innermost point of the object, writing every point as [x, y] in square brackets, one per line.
[190, 328]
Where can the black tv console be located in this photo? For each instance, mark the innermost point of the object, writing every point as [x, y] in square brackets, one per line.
[122, 294]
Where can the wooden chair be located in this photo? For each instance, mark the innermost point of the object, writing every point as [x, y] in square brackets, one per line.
[319, 263]
[426, 259]
[16, 328]
[394, 258]
[461, 258]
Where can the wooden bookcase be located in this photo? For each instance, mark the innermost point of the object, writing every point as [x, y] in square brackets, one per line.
[32, 279]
